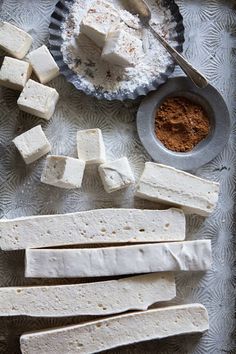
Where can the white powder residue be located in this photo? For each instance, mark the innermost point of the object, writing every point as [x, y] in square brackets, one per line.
[130, 20]
[84, 58]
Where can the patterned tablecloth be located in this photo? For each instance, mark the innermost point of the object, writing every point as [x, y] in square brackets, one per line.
[210, 45]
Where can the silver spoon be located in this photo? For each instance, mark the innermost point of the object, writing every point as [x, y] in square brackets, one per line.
[140, 8]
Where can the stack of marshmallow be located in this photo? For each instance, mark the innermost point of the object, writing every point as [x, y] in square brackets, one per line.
[35, 97]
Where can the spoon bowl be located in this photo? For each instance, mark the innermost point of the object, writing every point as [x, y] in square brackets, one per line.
[140, 8]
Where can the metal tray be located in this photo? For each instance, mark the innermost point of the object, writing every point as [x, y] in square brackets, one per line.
[210, 45]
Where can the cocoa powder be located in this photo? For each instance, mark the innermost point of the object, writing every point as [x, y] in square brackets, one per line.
[181, 124]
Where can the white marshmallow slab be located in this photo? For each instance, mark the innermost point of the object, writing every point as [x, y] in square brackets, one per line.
[122, 48]
[38, 99]
[14, 40]
[100, 18]
[63, 172]
[166, 184]
[100, 298]
[43, 64]
[116, 175]
[96, 336]
[14, 73]
[97, 262]
[90, 146]
[94, 226]
[32, 144]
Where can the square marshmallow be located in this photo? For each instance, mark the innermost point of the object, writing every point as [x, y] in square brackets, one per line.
[38, 99]
[63, 172]
[100, 18]
[90, 146]
[43, 64]
[122, 48]
[14, 73]
[116, 175]
[32, 144]
[14, 41]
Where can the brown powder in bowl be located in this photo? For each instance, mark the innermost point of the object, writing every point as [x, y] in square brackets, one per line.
[181, 124]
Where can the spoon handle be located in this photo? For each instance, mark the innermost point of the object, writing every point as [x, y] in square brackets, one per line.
[198, 79]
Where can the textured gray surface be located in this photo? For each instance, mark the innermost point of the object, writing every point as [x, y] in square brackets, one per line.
[210, 45]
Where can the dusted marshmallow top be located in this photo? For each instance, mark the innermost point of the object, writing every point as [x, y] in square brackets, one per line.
[100, 18]
[122, 48]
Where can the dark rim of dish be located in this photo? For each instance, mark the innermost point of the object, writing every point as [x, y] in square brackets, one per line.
[60, 14]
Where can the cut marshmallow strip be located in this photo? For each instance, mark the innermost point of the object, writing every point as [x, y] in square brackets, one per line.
[96, 336]
[174, 187]
[97, 262]
[95, 226]
[100, 298]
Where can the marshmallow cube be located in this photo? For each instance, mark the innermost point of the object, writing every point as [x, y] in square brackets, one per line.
[14, 41]
[122, 48]
[43, 64]
[32, 144]
[90, 146]
[14, 73]
[100, 18]
[63, 172]
[116, 175]
[38, 99]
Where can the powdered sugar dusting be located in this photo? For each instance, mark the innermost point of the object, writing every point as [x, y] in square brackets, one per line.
[130, 20]
[84, 58]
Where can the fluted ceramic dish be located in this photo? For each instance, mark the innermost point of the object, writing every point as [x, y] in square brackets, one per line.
[215, 107]
[58, 18]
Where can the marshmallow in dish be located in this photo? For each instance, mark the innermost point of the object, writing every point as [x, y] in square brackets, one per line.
[103, 78]
[122, 48]
[103, 26]
[98, 22]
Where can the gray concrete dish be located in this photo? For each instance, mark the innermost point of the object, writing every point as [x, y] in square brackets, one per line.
[213, 103]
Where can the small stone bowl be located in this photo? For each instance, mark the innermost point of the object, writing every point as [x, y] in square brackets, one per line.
[213, 104]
